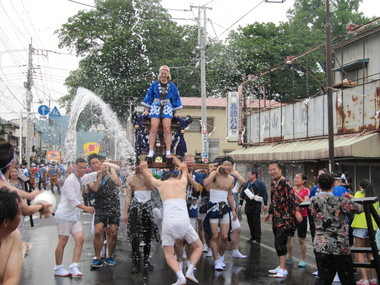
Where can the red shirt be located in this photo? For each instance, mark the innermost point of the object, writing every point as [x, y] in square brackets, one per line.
[305, 192]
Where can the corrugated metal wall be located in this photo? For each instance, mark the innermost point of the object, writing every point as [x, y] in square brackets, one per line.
[354, 107]
[353, 112]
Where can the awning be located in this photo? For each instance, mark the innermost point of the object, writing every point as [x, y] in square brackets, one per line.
[352, 65]
[353, 145]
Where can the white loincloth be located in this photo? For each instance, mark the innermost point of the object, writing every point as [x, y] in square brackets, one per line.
[217, 196]
[143, 196]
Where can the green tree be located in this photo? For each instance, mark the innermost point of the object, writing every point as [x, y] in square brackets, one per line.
[307, 21]
[123, 43]
[312, 14]
[259, 47]
[268, 49]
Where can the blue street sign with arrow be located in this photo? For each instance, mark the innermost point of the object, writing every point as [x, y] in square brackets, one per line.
[43, 110]
[55, 113]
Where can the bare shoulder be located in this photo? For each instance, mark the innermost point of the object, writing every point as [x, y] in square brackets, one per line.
[12, 239]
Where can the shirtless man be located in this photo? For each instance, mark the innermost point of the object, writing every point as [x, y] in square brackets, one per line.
[139, 218]
[10, 237]
[194, 189]
[221, 209]
[176, 223]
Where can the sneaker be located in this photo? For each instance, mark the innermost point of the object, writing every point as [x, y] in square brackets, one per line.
[373, 282]
[362, 282]
[221, 260]
[75, 273]
[302, 264]
[289, 261]
[96, 263]
[274, 271]
[190, 276]
[237, 254]
[110, 261]
[61, 272]
[180, 281]
[205, 248]
[315, 273]
[282, 273]
[218, 265]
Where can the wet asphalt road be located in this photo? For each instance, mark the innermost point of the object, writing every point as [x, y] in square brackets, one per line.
[38, 264]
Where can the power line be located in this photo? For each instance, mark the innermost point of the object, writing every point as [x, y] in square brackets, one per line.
[11, 92]
[81, 3]
[22, 21]
[242, 17]
[31, 24]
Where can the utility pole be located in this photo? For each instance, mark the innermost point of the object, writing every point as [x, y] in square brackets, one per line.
[202, 36]
[29, 98]
[330, 115]
[21, 135]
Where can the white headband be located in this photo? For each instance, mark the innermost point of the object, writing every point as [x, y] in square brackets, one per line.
[1, 173]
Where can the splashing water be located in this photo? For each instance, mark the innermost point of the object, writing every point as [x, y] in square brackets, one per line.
[125, 152]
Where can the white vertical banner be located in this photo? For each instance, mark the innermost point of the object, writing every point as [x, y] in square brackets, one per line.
[233, 115]
[204, 143]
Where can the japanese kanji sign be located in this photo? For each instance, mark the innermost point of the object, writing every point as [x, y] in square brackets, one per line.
[91, 147]
[233, 112]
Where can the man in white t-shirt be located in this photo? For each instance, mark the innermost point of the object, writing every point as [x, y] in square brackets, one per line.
[67, 218]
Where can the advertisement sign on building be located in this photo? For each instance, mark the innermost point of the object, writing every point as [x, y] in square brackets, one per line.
[233, 114]
[54, 155]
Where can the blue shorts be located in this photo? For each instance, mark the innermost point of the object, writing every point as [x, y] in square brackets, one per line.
[360, 233]
[157, 107]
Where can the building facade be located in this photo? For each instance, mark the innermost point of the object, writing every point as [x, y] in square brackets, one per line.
[220, 144]
[296, 134]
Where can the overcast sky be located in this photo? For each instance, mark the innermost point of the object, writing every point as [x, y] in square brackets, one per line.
[26, 21]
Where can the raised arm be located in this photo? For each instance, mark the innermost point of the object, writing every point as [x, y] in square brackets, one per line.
[207, 182]
[94, 186]
[111, 172]
[197, 187]
[184, 172]
[148, 174]
[128, 200]
[177, 162]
